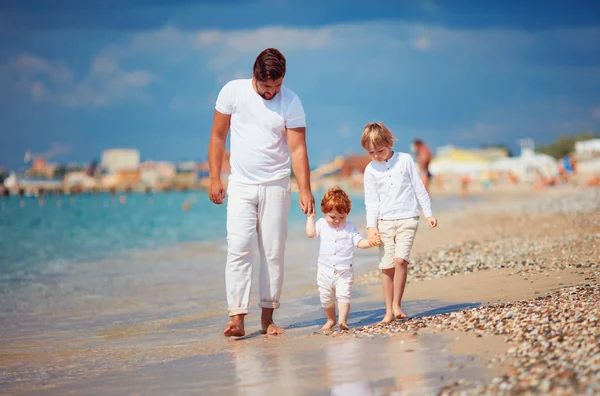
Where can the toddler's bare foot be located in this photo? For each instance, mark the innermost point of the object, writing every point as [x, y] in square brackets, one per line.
[399, 314]
[388, 318]
[343, 326]
[328, 325]
[234, 330]
[272, 329]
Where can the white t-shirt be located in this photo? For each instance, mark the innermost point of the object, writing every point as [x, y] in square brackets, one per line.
[259, 150]
[394, 190]
[336, 244]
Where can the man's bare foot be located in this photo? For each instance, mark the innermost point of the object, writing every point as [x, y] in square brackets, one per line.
[343, 326]
[272, 329]
[235, 329]
[399, 314]
[328, 325]
[388, 318]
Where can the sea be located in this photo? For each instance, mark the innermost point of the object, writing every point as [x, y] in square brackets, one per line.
[93, 279]
[45, 243]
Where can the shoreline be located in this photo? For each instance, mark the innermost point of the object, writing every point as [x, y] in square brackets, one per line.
[548, 229]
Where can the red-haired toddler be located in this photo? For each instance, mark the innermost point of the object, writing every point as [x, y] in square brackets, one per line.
[337, 239]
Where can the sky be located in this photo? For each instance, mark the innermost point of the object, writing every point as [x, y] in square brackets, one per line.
[79, 77]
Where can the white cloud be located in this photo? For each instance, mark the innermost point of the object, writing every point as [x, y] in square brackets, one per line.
[208, 37]
[52, 81]
[102, 65]
[278, 37]
[421, 43]
[137, 78]
[38, 91]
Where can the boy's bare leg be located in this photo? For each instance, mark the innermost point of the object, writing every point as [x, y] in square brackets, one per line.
[236, 327]
[344, 309]
[387, 280]
[399, 284]
[330, 315]
[267, 324]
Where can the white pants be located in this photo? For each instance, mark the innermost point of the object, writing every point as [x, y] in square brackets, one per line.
[334, 285]
[256, 212]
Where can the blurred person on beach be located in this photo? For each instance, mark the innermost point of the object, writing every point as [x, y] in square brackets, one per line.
[424, 157]
[566, 168]
[393, 194]
[268, 127]
[337, 239]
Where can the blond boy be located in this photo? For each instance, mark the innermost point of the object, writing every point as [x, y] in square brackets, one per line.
[394, 192]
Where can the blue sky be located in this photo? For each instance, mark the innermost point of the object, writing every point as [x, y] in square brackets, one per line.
[79, 77]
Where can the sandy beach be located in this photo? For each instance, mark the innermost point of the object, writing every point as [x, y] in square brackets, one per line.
[502, 297]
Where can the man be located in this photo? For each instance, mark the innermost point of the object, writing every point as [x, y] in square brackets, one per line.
[424, 156]
[268, 127]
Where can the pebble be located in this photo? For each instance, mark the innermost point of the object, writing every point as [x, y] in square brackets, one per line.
[555, 341]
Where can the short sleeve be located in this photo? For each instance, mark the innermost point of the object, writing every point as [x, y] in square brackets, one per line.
[224, 103]
[319, 226]
[356, 237]
[295, 117]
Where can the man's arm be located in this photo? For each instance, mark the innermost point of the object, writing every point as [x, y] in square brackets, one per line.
[297, 142]
[216, 152]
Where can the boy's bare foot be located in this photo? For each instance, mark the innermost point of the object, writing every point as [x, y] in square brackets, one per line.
[235, 328]
[343, 326]
[399, 314]
[328, 325]
[388, 318]
[272, 329]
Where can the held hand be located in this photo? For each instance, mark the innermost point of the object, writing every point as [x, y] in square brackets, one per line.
[433, 222]
[307, 202]
[373, 236]
[216, 192]
[375, 241]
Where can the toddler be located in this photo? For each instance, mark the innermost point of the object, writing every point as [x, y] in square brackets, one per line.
[337, 239]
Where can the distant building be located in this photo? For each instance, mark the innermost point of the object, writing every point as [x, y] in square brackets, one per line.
[117, 160]
[187, 166]
[79, 179]
[488, 153]
[587, 155]
[155, 173]
[587, 148]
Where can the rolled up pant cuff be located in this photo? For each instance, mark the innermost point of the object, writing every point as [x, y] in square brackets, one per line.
[268, 304]
[238, 311]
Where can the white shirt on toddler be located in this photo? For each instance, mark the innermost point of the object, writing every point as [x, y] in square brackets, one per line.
[336, 245]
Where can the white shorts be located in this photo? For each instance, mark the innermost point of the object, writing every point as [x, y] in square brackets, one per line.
[397, 237]
[336, 284]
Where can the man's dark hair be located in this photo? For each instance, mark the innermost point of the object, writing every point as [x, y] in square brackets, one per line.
[269, 65]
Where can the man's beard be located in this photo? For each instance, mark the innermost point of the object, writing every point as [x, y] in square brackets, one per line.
[262, 95]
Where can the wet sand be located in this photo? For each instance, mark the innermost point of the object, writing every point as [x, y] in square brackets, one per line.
[514, 245]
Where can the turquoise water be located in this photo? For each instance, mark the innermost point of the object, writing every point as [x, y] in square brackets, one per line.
[36, 237]
[90, 252]
[92, 278]
[92, 227]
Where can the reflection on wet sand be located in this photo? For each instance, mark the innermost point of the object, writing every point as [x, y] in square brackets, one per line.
[343, 366]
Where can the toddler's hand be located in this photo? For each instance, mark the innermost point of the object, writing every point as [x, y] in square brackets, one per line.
[373, 236]
[433, 222]
[375, 241]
